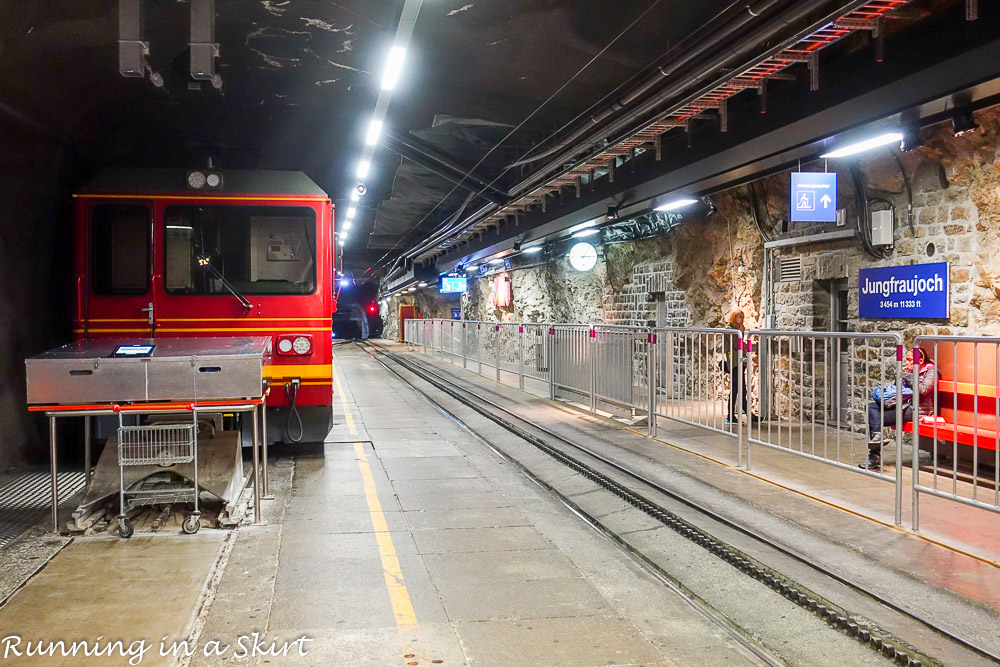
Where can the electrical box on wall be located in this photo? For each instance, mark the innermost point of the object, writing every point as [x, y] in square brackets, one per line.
[882, 228]
[841, 217]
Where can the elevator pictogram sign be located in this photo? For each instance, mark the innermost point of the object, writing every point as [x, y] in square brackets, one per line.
[814, 196]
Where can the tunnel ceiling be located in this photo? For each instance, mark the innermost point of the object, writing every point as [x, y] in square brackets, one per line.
[300, 78]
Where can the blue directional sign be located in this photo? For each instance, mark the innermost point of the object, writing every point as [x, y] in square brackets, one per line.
[456, 313]
[814, 196]
[916, 291]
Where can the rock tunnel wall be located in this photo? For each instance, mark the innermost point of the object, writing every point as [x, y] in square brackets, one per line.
[702, 270]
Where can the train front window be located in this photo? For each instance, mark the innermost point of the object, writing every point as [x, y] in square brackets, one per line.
[259, 250]
[119, 249]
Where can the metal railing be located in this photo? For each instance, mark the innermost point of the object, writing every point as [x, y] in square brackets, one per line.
[818, 384]
[963, 431]
[695, 378]
[805, 393]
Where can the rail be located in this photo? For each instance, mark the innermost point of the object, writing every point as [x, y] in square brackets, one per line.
[804, 393]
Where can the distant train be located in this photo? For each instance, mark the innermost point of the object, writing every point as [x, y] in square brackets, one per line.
[207, 253]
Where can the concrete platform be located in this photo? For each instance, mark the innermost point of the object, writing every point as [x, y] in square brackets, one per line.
[836, 517]
[401, 540]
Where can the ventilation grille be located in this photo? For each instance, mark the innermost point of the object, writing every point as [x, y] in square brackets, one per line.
[789, 269]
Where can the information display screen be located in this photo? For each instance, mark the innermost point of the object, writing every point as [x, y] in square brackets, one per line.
[133, 351]
[454, 284]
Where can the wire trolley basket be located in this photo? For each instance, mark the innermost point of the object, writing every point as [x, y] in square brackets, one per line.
[157, 445]
[164, 444]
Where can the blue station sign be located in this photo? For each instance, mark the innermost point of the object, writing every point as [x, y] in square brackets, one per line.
[916, 291]
[814, 196]
[456, 313]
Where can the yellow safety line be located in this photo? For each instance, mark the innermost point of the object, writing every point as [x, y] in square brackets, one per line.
[898, 529]
[348, 417]
[399, 596]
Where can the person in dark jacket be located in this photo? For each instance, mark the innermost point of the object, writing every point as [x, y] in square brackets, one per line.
[732, 366]
[878, 417]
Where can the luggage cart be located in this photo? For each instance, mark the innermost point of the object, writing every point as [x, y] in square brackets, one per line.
[163, 445]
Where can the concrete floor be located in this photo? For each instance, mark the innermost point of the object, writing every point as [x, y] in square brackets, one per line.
[403, 540]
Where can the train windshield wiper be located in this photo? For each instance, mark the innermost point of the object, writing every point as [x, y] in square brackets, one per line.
[205, 262]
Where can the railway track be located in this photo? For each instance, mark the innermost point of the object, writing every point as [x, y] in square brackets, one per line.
[850, 610]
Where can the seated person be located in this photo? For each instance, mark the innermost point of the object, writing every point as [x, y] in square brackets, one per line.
[879, 417]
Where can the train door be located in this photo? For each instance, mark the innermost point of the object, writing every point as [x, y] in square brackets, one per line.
[406, 312]
[118, 272]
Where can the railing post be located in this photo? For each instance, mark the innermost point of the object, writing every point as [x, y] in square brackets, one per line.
[651, 381]
[464, 346]
[479, 346]
[899, 429]
[520, 357]
[915, 511]
[496, 348]
[593, 371]
[741, 423]
[551, 343]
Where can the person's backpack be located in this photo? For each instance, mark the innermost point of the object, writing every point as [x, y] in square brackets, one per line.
[886, 394]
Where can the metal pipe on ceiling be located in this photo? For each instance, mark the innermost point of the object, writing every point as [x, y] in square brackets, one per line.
[698, 48]
[767, 31]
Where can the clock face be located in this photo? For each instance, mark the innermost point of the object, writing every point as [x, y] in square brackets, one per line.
[302, 345]
[583, 256]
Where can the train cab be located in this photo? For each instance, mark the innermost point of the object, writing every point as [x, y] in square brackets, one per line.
[209, 253]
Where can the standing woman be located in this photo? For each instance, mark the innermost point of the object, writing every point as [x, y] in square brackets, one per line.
[733, 367]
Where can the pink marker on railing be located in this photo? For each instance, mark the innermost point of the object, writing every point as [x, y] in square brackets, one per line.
[520, 330]
[899, 353]
[552, 331]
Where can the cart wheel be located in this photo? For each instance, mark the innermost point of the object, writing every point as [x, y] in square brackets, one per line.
[125, 527]
[191, 524]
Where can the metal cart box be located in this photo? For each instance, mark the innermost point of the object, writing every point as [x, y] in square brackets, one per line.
[177, 369]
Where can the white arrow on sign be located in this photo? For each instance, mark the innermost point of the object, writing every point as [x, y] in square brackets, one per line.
[826, 201]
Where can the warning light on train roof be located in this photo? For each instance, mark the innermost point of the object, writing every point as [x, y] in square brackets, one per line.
[866, 145]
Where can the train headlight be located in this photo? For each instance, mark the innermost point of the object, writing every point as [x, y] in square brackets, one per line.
[285, 345]
[302, 345]
[196, 180]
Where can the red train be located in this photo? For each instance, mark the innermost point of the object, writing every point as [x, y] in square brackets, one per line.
[205, 253]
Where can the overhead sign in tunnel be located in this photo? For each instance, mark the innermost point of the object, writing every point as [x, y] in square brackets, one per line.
[814, 197]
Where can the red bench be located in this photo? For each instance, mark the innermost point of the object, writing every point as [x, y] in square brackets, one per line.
[965, 375]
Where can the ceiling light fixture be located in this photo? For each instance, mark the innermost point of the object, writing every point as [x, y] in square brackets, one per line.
[351, 212]
[582, 225]
[354, 195]
[676, 204]
[963, 123]
[585, 232]
[374, 132]
[911, 139]
[531, 250]
[421, 284]
[393, 67]
[471, 269]
[363, 168]
[866, 145]
[498, 260]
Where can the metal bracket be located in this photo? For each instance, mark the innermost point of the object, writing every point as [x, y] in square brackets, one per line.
[971, 10]
[204, 49]
[132, 50]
